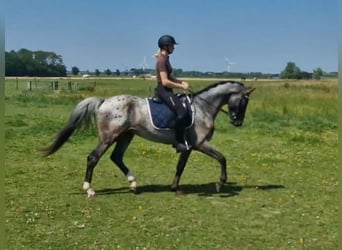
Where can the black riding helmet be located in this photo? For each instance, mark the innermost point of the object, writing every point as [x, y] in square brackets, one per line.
[166, 40]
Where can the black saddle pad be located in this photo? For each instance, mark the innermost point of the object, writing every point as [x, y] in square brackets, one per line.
[162, 117]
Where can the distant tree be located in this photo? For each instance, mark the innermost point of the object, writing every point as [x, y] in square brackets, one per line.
[97, 72]
[14, 65]
[317, 73]
[34, 63]
[305, 75]
[117, 72]
[75, 70]
[291, 71]
[108, 72]
[177, 72]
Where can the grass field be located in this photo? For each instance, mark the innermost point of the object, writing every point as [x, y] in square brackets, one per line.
[281, 191]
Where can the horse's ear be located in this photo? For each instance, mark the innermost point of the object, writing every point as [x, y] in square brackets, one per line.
[248, 90]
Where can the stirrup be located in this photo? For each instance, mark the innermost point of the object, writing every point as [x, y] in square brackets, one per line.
[182, 147]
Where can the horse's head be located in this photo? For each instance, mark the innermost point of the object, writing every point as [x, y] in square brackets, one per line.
[237, 105]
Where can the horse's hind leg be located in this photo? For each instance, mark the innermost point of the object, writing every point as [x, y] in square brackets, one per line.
[121, 146]
[92, 160]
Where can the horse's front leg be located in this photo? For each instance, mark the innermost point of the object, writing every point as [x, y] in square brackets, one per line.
[207, 149]
[183, 158]
[122, 144]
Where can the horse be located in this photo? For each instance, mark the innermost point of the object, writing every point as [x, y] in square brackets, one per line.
[119, 118]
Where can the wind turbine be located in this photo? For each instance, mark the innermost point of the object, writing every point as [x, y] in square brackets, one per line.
[229, 63]
[143, 64]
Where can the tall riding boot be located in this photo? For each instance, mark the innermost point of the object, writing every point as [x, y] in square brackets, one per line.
[181, 145]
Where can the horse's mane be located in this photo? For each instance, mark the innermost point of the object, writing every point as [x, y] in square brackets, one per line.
[213, 85]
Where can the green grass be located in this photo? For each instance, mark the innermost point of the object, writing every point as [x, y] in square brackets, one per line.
[281, 192]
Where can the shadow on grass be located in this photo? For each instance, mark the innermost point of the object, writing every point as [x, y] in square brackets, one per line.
[228, 190]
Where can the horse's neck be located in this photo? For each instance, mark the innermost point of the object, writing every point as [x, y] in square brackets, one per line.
[212, 102]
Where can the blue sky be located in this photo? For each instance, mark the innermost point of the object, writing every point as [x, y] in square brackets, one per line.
[258, 35]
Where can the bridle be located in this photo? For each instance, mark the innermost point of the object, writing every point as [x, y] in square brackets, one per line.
[236, 113]
[241, 108]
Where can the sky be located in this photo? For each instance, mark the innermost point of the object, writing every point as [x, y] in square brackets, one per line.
[257, 35]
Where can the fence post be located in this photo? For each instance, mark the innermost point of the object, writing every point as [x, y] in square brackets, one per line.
[29, 85]
[56, 85]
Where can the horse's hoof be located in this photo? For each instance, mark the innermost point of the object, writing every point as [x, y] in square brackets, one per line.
[133, 186]
[90, 193]
[179, 192]
[174, 188]
[133, 190]
[218, 186]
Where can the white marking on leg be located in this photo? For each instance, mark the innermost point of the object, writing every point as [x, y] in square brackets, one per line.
[86, 185]
[133, 185]
[130, 177]
[132, 182]
[90, 192]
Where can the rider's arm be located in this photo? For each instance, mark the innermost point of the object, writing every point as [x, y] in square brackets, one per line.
[173, 82]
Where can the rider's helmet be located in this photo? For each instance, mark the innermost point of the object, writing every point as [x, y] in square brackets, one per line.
[166, 40]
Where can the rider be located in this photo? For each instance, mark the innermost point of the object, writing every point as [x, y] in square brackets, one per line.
[166, 84]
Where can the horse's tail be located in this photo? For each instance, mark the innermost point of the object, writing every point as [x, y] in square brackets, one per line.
[81, 117]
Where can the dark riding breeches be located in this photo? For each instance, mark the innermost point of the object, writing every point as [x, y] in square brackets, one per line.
[171, 100]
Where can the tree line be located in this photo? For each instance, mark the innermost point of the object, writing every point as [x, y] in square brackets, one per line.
[25, 62]
[292, 71]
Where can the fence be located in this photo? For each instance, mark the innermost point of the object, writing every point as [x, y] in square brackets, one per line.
[38, 84]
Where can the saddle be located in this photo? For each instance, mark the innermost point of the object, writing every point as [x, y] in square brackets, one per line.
[162, 117]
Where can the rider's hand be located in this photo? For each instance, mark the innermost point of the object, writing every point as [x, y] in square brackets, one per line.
[185, 85]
